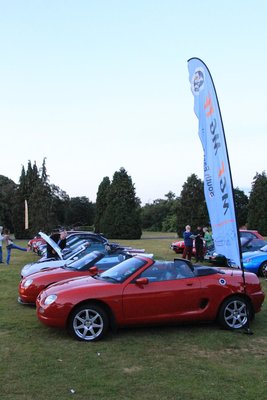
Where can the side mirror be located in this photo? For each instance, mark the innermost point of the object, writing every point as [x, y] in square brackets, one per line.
[93, 270]
[142, 281]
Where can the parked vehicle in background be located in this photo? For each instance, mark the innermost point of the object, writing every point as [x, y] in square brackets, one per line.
[178, 246]
[74, 237]
[35, 243]
[252, 255]
[256, 261]
[250, 234]
[74, 251]
[62, 257]
[31, 286]
[143, 291]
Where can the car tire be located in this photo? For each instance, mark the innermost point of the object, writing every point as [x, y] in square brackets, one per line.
[88, 322]
[235, 313]
[262, 269]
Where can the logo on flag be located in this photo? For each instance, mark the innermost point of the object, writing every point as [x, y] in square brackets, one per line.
[197, 83]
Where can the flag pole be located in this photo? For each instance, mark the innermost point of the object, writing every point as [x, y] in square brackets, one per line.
[218, 182]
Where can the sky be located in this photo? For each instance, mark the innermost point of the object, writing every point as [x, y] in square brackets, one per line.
[93, 86]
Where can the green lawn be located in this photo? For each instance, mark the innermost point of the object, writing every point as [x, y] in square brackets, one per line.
[185, 362]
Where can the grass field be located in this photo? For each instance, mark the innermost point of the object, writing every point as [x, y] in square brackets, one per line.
[176, 363]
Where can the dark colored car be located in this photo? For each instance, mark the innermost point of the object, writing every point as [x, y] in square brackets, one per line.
[74, 237]
[142, 291]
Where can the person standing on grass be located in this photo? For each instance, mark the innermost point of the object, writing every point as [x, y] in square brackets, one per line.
[1, 245]
[208, 238]
[188, 242]
[199, 236]
[10, 245]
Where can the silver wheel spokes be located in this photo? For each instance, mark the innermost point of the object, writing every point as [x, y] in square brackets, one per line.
[88, 324]
[235, 314]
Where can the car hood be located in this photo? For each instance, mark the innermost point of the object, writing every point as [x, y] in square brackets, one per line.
[36, 267]
[254, 254]
[76, 283]
[60, 273]
[89, 260]
[52, 244]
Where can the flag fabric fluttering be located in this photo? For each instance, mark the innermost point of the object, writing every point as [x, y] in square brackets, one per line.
[26, 215]
[218, 186]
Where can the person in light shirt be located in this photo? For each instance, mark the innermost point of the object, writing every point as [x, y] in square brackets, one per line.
[188, 242]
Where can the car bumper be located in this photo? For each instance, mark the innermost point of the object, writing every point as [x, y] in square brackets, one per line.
[257, 299]
[23, 302]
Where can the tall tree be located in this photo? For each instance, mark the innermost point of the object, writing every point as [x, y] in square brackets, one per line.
[60, 206]
[21, 194]
[80, 212]
[121, 219]
[191, 205]
[257, 207]
[241, 204]
[33, 187]
[101, 203]
[7, 195]
[160, 215]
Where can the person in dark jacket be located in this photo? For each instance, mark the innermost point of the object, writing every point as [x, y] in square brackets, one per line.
[60, 239]
[199, 236]
[188, 242]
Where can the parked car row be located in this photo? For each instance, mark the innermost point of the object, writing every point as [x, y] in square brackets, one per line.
[135, 289]
[253, 247]
[31, 285]
[178, 246]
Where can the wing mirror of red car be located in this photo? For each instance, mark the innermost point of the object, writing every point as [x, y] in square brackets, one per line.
[93, 270]
[142, 281]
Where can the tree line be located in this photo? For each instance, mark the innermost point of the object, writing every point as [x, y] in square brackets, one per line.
[117, 212]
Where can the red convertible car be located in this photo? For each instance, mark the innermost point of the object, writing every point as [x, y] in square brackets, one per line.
[142, 291]
[32, 285]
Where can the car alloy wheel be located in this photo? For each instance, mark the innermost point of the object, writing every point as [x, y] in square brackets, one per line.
[262, 268]
[88, 322]
[234, 313]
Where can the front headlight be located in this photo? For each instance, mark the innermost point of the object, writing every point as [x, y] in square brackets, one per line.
[27, 283]
[50, 299]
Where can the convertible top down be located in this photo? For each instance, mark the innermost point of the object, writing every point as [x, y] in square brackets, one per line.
[143, 291]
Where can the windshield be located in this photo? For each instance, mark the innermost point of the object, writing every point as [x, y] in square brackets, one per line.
[123, 270]
[76, 255]
[85, 262]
